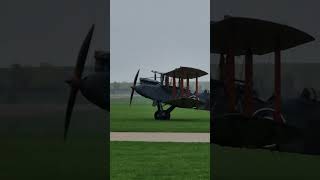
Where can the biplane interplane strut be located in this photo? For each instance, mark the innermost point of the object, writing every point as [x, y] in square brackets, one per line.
[239, 117]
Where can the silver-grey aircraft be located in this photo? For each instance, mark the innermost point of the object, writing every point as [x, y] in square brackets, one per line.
[163, 93]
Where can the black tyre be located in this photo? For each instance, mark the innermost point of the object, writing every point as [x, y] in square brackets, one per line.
[162, 115]
[166, 115]
[157, 115]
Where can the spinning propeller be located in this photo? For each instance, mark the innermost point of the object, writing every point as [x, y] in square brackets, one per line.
[134, 85]
[75, 81]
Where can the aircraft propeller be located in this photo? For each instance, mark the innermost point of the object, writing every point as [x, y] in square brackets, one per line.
[75, 81]
[134, 85]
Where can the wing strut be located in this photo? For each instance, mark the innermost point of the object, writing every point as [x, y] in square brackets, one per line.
[174, 92]
[277, 84]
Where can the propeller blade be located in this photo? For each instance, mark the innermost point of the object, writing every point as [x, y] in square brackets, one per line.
[131, 96]
[71, 101]
[75, 81]
[136, 78]
[134, 85]
[82, 56]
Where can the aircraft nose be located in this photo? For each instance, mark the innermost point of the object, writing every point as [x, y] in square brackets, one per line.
[138, 89]
[73, 82]
[134, 88]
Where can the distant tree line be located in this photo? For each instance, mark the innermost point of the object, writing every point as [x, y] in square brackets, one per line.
[34, 83]
[46, 82]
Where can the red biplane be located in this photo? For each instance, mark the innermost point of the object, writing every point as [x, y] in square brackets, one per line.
[259, 124]
[173, 93]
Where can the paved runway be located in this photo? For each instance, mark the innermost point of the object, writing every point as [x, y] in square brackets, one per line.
[160, 137]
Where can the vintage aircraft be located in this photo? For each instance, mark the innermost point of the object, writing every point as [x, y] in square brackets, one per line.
[95, 86]
[289, 125]
[163, 93]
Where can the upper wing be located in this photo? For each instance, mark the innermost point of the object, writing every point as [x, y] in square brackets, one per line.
[186, 72]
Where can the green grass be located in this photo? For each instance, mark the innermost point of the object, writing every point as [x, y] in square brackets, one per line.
[142, 160]
[152, 161]
[32, 145]
[234, 163]
[50, 158]
[139, 118]
[136, 160]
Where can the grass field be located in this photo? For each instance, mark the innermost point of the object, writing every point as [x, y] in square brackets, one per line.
[32, 145]
[50, 158]
[139, 118]
[137, 160]
[153, 161]
[142, 160]
[234, 163]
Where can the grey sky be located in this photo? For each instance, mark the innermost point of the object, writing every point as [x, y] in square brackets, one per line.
[299, 14]
[50, 31]
[158, 35]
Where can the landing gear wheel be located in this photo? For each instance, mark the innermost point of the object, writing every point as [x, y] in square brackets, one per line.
[161, 115]
[166, 115]
[267, 113]
[157, 115]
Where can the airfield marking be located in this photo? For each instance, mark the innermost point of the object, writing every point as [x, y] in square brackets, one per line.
[160, 137]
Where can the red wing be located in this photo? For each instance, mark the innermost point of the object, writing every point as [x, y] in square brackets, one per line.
[186, 72]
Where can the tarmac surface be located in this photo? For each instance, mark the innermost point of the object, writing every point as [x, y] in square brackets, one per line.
[160, 137]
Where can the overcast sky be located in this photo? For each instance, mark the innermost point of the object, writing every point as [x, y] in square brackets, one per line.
[296, 13]
[50, 31]
[158, 35]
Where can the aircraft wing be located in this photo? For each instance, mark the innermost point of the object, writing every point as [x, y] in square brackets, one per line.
[185, 72]
[260, 34]
[185, 102]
